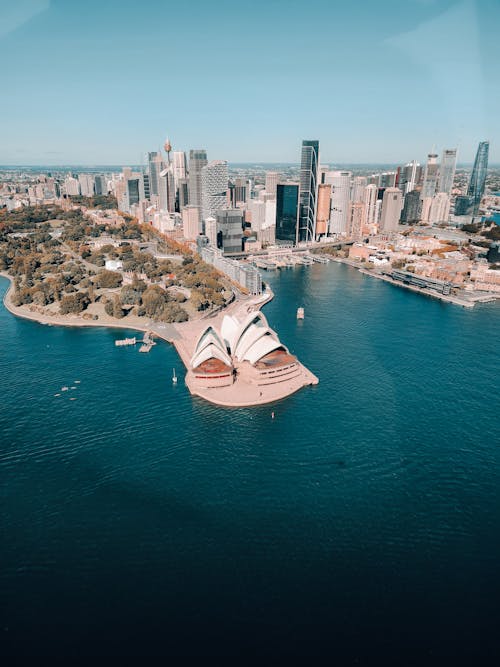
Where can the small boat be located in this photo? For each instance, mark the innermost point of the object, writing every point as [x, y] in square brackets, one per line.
[272, 415]
[57, 394]
[300, 313]
[174, 377]
[72, 387]
[77, 381]
[64, 388]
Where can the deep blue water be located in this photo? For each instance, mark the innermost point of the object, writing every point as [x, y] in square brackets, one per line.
[362, 523]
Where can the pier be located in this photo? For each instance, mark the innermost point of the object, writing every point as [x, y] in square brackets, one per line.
[146, 343]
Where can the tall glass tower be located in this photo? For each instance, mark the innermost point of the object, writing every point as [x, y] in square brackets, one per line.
[309, 164]
[478, 176]
[447, 170]
[197, 160]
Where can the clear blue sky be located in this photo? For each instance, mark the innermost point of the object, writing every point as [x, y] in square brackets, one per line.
[103, 81]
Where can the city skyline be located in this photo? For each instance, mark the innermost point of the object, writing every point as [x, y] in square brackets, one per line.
[90, 80]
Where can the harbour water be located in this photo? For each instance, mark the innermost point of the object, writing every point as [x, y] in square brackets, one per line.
[360, 523]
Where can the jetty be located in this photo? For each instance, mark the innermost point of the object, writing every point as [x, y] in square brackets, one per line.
[146, 343]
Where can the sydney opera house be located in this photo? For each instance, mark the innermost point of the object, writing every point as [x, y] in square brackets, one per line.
[246, 353]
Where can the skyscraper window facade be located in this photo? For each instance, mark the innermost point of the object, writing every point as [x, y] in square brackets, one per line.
[287, 211]
[478, 176]
[309, 165]
[197, 160]
[214, 187]
[447, 170]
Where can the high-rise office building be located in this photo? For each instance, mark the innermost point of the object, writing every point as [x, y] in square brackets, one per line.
[182, 193]
[230, 229]
[100, 184]
[391, 210]
[370, 213]
[197, 160]
[341, 187]
[412, 208]
[179, 166]
[478, 177]
[358, 188]
[409, 177]
[309, 163]
[155, 166]
[86, 184]
[190, 222]
[355, 220]
[272, 178]
[447, 170]
[287, 211]
[323, 209]
[166, 190]
[431, 172]
[214, 186]
[440, 208]
[387, 179]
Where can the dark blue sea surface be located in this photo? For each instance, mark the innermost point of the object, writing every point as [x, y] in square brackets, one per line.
[361, 524]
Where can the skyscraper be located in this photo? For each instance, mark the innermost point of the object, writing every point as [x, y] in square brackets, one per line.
[370, 208]
[230, 229]
[430, 176]
[197, 160]
[447, 170]
[409, 176]
[440, 208]
[214, 185]
[308, 189]
[341, 187]
[391, 210]
[190, 222]
[287, 211]
[358, 188]
[271, 182]
[179, 164]
[323, 209]
[155, 165]
[412, 208]
[478, 177]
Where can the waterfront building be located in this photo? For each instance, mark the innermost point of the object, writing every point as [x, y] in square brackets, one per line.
[478, 177]
[211, 364]
[230, 230]
[197, 160]
[431, 172]
[323, 209]
[287, 211]
[447, 170]
[272, 178]
[412, 209]
[214, 186]
[391, 210]
[190, 222]
[355, 220]
[370, 210]
[340, 182]
[308, 189]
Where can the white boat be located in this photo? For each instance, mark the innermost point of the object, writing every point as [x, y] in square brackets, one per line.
[174, 377]
[300, 313]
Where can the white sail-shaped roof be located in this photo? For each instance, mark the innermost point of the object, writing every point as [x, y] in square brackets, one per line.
[229, 330]
[210, 346]
[265, 344]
